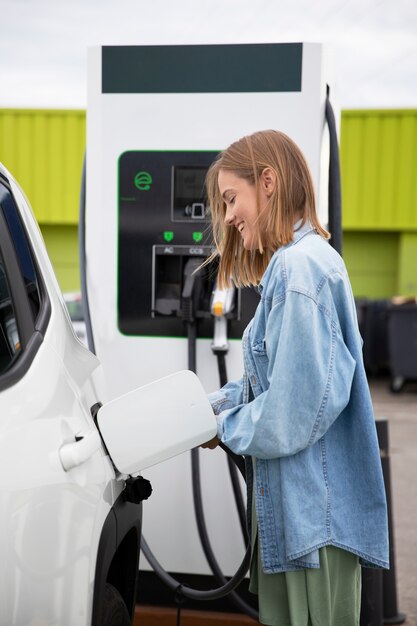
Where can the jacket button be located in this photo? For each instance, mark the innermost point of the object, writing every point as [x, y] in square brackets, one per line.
[253, 380]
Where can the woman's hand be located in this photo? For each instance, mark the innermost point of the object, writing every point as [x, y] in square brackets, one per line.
[213, 443]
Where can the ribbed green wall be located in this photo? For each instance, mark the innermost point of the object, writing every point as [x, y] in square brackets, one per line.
[379, 169]
[378, 153]
[62, 244]
[44, 150]
[372, 261]
[407, 264]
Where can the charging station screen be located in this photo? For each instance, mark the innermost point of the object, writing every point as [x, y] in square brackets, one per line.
[189, 196]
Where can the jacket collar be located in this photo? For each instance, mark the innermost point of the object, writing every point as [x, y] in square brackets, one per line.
[300, 231]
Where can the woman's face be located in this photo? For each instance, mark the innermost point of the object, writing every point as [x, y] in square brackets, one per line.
[241, 206]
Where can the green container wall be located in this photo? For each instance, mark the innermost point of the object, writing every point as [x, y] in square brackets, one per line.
[407, 265]
[372, 262]
[62, 245]
[44, 151]
[378, 153]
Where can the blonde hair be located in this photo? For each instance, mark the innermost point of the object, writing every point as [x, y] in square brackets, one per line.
[293, 198]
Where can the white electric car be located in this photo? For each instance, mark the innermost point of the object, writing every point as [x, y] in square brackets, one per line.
[69, 528]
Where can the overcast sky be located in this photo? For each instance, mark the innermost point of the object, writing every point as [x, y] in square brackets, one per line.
[43, 44]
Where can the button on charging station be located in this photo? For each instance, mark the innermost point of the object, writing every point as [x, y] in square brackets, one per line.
[198, 211]
[168, 235]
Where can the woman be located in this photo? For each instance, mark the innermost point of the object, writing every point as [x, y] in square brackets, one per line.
[302, 411]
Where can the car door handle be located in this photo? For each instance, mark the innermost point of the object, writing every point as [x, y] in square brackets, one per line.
[77, 452]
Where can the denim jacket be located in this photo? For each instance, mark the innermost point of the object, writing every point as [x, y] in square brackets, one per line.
[303, 410]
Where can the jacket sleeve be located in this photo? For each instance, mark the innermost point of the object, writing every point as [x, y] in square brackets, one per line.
[229, 396]
[310, 373]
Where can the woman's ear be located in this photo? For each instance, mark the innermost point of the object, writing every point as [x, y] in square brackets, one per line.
[268, 180]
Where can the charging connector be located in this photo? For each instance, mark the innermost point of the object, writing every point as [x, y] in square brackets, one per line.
[222, 304]
[191, 289]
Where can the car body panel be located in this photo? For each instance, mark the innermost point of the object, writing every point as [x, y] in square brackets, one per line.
[67, 527]
[51, 519]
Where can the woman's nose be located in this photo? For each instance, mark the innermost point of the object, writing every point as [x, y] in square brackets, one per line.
[229, 217]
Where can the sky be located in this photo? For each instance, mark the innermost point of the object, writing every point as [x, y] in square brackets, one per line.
[371, 45]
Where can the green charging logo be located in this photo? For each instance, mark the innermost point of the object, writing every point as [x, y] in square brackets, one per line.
[143, 181]
[197, 236]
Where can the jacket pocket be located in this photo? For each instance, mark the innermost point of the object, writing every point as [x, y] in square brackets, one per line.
[259, 349]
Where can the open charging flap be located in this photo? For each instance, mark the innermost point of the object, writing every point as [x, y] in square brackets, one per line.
[156, 422]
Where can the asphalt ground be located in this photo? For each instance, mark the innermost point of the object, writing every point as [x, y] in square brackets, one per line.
[400, 409]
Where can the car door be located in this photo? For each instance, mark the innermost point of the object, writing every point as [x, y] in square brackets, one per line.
[53, 501]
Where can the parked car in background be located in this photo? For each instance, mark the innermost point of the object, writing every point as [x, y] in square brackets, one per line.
[75, 309]
[70, 516]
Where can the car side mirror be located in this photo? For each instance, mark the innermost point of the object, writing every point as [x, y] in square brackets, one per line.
[156, 422]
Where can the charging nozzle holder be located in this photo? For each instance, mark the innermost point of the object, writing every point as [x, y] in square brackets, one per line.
[222, 307]
[191, 291]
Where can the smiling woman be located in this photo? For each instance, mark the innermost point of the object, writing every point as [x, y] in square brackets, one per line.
[302, 409]
[261, 185]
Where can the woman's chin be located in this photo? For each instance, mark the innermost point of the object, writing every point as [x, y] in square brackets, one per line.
[249, 244]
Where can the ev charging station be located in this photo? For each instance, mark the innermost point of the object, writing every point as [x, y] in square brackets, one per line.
[156, 118]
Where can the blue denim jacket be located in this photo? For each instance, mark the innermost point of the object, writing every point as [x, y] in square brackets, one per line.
[303, 410]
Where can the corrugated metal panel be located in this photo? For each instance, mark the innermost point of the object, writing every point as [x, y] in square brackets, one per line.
[379, 169]
[44, 150]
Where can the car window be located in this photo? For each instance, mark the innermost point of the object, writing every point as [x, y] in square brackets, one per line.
[21, 245]
[9, 336]
[25, 307]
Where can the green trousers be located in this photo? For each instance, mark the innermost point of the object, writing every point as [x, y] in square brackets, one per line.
[328, 596]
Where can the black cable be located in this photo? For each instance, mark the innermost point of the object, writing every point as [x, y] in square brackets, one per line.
[237, 492]
[196, 475]
[179, 601]
[238, 460]
[240, 504]
[197, 594]
[335, 195]
[198, 501]
[192, 339]
[221, 365]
